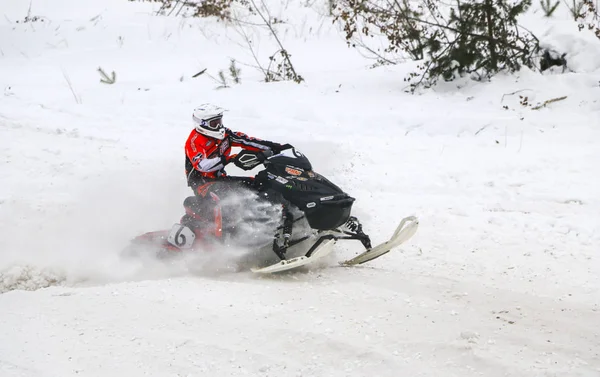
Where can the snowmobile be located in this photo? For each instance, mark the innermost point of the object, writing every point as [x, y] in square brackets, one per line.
[289, 183]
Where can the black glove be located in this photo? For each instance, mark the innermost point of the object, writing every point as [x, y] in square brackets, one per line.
[282, 147]
[267, 153]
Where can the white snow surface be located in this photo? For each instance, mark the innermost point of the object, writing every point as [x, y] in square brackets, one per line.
[501, 279]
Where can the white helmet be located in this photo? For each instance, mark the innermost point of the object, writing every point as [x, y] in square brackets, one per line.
[208, 120]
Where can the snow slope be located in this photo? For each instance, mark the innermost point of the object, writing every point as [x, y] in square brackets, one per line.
[501, 279]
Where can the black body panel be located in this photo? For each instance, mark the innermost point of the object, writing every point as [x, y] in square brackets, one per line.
[325, 205]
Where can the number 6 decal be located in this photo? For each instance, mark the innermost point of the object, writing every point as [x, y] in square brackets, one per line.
[181, 236]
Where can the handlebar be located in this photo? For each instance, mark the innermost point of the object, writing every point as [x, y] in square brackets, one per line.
[248, 160]
[268, 153]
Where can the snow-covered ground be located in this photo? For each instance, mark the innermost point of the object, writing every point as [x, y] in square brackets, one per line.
[501, 279]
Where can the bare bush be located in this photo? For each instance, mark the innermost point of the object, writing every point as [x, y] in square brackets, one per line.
[221, 9]
[548, 8]
[106, 79]
[234, 75]
[235, 72]
[589, 18]
[576, 8]
[279, 66]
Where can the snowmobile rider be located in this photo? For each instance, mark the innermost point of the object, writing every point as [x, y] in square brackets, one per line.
[207, 151]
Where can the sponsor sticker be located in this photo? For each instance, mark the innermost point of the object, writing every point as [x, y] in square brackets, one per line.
[293, 171]
[224, 146]
[326, 198]
[281, 180]
[193, 142]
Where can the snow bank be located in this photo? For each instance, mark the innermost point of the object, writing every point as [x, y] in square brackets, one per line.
[29, 278]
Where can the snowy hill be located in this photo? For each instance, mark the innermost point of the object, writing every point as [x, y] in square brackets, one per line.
[501, 279]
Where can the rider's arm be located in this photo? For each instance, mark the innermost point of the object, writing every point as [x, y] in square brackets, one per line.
[239, 139]
[197, 155]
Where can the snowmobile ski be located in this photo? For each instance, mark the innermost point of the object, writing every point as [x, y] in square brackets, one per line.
[402, 234]
[324, 246]
[322, 250]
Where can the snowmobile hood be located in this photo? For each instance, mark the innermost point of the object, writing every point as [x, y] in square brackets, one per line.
[291, 158]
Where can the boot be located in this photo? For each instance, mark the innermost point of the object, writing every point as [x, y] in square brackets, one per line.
[193, 218]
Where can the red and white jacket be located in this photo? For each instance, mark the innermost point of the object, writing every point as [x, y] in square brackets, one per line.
[205, 157]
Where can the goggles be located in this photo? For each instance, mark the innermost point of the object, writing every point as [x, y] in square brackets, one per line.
[213, 124]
